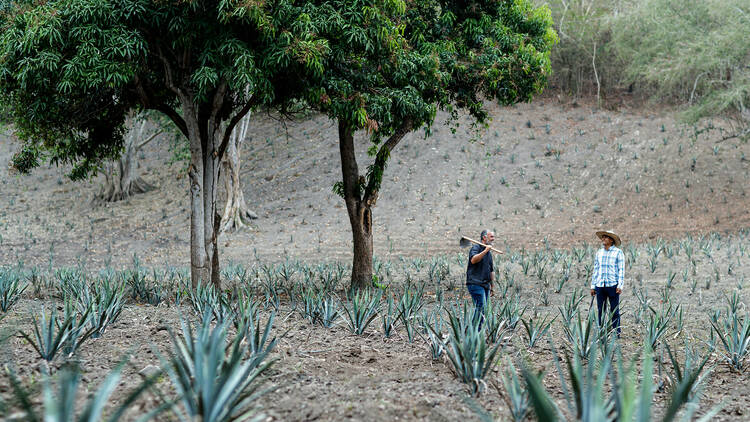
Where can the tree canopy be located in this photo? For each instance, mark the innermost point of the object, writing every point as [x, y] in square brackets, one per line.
[71, 69]
[393, 64]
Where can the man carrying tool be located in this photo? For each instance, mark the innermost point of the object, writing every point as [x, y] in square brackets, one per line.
[480, 272]
[609, 275]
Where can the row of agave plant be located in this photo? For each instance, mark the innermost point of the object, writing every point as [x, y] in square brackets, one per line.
[216, 372]
[447, 326]
[553, 268]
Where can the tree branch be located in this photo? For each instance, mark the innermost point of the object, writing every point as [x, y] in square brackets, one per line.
[230, 127]
[168, 76]
[217, 104]
[375, 173]
[174, 116]
[150, 138]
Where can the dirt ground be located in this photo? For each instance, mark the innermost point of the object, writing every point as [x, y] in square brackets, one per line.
[545, 173]
[576, 168]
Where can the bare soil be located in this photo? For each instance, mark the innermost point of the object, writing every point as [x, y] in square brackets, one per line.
[544, 173]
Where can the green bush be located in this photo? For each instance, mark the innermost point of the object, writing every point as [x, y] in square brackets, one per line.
[689, 51]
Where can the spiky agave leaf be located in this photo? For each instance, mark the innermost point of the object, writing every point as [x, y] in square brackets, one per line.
[60, 407]
[217, 379]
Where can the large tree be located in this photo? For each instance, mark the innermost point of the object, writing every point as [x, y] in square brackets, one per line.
[72, 70]
[393, 64]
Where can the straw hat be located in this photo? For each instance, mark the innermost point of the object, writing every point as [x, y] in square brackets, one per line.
[611, 234]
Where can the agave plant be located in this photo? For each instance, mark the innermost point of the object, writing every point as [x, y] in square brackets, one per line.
[512, 313]
[587, 399]
[408, 307]
[467, 350]
[105, 301]
[582, 334]
[80, 329]
[389, 317]
[205, 297]
[432, 323]
[734, 332]
[362, 310]
[516, 395]
[495, 325]
[10, 289]
[60, 407]
[659, 323]
[50, 335]
[216, 379]
[535, 329]
[570, 307]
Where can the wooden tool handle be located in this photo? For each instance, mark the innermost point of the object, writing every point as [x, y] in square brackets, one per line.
[482, 244]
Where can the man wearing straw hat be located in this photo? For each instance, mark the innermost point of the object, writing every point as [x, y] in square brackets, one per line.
[609, 275]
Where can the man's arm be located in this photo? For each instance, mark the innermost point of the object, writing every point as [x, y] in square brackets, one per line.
[620, 266]
[478, 257]
[593, 273]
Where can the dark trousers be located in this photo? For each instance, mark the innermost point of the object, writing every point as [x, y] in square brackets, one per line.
[479, 294]
[609, 293]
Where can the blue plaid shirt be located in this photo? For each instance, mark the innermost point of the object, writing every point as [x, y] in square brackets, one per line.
[609, 268]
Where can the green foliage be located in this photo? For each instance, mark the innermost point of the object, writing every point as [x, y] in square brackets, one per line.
[61, 406]
[658, 323]
[467, 350]
[516, 397]
[50, 335]
[10, 289]
[733, 330]
[72, 71]
[433, 327]
[582, 61]
[408, 307]
[535, 328]
[362, 310]
[583, 334]
[105, 301]
[691, 53]
[206, 298]
[590, 399]
[217, 379]
[707, 69]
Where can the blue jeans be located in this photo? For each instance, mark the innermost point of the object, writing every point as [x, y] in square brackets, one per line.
[604, 294]
[479, 295]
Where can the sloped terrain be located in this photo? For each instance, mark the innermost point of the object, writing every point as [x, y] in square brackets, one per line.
[544, 176]
[543, 170]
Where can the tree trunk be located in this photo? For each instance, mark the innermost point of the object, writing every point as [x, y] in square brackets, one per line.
[360, 213]
[204, 137]
[236, 212]
[121, 176]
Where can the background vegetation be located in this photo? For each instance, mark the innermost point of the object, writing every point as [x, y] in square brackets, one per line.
[686, 53]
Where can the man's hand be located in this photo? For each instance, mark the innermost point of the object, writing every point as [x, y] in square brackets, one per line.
[618, 290]
[487, 248]
[593, 292]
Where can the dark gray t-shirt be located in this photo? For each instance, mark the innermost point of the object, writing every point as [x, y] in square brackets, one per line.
[479, 273]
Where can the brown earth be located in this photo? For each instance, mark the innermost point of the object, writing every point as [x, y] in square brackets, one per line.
[542, 171]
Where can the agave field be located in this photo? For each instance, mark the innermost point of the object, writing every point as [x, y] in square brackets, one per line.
[288, 341]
